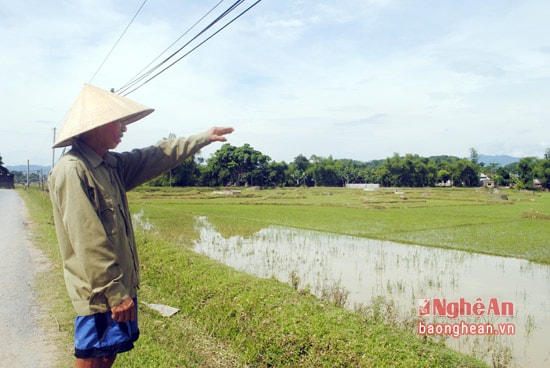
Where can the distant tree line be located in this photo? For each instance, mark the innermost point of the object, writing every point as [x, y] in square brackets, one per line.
[3, 170]
[245, 166]
[20, 177]
[6, 179]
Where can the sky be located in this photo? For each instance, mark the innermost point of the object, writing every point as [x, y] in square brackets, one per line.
[357, 79]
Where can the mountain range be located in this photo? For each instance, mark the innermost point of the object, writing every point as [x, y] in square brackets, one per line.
[32, 168]
[502, 160]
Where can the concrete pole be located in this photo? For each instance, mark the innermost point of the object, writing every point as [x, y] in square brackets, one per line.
[28, 174]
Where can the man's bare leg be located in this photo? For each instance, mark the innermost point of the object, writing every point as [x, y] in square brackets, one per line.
[101, 362]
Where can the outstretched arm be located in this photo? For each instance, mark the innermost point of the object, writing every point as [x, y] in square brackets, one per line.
[140, 165]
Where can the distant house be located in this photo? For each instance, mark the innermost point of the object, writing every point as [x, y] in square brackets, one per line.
[444, 183]
[485, 181]
[367, 186]
[6, 181]
[372, 186]
[356, 186]
[537, 183]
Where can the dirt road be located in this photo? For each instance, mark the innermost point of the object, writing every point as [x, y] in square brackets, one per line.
[23, 343]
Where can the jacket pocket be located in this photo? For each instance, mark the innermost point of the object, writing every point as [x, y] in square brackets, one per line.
[109, 219]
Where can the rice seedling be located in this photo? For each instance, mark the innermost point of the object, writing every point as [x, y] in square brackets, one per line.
[529, 324]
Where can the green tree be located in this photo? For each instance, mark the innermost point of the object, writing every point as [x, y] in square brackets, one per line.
[277, 173]
[297, 172]
[526, 172]
[408, 171]
[352, 171]
[3, 170]
[443, 175]
[223, 168]
[254, 164]
[502, 177]
[542, 170]
[390, 172]
[466, 173]
[325, 172]
[238, 166]
[474, 156]
[492, 168]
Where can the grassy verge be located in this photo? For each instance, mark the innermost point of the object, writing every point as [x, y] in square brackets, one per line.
[50, 284]
[229, 318]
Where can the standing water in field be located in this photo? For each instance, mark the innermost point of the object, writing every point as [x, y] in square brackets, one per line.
[495, 308]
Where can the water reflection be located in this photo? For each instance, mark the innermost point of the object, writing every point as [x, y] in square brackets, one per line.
[405, 273]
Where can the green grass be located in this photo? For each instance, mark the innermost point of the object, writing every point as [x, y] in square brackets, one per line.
[50, 284]
[466, 219]
[246, 321]
[231, 319]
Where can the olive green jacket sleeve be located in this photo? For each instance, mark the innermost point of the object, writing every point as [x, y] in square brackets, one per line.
[139, 166]
[93, 222]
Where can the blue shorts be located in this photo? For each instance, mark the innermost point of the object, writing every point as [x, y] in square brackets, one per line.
[99, 335]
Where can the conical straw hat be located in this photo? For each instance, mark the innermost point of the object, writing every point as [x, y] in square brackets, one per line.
[95, 107]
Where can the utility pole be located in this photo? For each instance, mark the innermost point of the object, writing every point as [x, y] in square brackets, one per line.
[28, 174]
[53, 150]
[41, 180]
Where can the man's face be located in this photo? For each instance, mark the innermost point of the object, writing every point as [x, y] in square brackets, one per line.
[105, 137]
[110, 135]
[118, 129]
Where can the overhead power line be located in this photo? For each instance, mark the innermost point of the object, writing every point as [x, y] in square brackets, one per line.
[145, 77]
[116, 43]
[140, 74]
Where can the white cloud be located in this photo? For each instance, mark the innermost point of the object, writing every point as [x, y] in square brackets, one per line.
[356, 79]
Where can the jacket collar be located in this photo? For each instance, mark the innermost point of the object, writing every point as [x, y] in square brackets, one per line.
[89, 154]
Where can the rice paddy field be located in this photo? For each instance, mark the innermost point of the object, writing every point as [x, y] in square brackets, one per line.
[508, 223]
[229, 318]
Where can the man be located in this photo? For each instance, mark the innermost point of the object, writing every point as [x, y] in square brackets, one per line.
[93, 224]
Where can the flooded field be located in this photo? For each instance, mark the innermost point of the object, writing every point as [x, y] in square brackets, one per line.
[456, 296]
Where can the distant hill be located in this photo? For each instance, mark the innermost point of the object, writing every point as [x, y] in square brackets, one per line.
[502, 160]
[32, 168]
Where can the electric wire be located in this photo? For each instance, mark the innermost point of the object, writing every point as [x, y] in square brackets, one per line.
[126, 90]
[116, 43]
[152, 70]
[135, 77]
